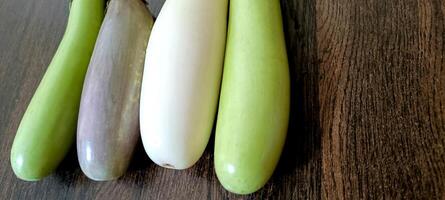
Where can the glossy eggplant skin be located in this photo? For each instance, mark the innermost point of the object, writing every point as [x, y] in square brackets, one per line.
[181, 81]
[108, 125]
[48, 127]
[255, 97]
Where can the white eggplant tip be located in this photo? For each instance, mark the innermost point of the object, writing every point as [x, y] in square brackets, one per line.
[171, 156]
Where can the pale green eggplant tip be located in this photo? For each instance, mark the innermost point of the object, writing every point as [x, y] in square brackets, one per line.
[236, 183]
[22, 171]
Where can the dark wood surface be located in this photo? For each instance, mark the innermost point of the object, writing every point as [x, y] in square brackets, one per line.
[368, 106]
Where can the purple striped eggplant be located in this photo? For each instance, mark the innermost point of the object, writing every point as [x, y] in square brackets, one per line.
[108, 125]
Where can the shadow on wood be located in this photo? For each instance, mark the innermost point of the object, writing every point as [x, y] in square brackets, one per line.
[302, 149]
[303, 139]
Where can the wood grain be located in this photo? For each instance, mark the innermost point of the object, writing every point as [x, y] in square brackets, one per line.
[382, 97]
[368, 106]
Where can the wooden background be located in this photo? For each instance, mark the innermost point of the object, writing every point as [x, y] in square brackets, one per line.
[368, 106]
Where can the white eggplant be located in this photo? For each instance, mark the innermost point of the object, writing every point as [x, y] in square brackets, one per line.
[181, 80]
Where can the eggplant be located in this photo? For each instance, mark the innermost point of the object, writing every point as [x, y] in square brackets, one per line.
[181, 80]
[108, 125]
[48, 127]
[255, 97]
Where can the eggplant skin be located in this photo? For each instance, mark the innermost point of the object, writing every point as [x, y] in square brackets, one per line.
[108, 125]
[255, 97]
[48, 127]
[181, 81]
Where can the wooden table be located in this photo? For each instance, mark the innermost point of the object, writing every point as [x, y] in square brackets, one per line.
[368, 106]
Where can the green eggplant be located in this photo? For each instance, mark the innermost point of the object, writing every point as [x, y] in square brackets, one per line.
[48, 127]
[108, 125]
[255, 97]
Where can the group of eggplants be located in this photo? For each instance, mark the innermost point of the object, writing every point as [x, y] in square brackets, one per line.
[116, 73]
